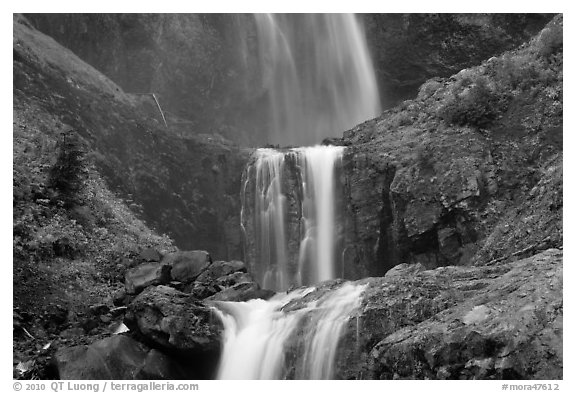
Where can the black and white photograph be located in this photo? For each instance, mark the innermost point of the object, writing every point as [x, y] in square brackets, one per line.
[287, 196]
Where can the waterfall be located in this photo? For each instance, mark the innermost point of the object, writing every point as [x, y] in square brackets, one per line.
[318, 74]
[257, 332]
[317, 247]
[270, 212]
[312, 211]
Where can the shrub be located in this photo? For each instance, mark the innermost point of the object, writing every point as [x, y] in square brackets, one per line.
[550, 41]
[477, 107]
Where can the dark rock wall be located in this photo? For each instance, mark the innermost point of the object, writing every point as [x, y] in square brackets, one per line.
[424, 188]
[408, 49]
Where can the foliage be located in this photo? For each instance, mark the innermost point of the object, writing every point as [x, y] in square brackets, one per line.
[69, 173]
[67, 252]
[550, 41]
[481, 96]
[477, 106]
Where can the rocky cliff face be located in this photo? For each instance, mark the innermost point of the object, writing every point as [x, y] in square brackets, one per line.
[430, 180]
[186, 187]
[489, 322]
[468, 172]
[409, 49]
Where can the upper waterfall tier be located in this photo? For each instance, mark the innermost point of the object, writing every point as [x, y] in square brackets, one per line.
[319, 75]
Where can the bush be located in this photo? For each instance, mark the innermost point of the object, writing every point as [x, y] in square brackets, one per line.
[68, 175]
[550, 41]
[477, 107]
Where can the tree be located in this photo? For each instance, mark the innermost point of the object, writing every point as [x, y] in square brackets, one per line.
[68, 175]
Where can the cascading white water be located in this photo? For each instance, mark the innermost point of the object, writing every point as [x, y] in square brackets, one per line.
[317, 247]
[256, 334]
[319, 75]
[270, 219]
[320, 81]
[317, 238]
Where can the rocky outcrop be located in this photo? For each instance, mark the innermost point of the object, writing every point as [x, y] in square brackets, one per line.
[186, 266]
[510, 329]
[431, 180]
[242, 292]
[409, 49]
[175, 322]
[489, 322]
[117, 358]
[146, 274]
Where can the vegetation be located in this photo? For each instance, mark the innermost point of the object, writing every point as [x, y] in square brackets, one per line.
[477, 106]
[70, 231]
[68, 175]
[478, 99]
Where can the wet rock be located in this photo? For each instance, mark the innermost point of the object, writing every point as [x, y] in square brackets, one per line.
[174, 321]
[219, 269]
[201, 290]
[158, 365]
[187, 265]
[405, 270]
[333, 141]
[117, 357]
[141, 276]
[489, 322]
[233, 279]
[242, 292]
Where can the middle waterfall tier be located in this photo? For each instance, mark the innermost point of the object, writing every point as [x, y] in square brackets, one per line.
[290, 215]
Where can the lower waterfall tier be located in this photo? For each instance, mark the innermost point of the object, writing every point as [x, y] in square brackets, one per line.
[260, 335]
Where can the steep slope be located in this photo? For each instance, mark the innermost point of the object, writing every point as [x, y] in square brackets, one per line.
[185, 187]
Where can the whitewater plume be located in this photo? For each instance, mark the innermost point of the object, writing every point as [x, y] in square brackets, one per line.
[257, 332]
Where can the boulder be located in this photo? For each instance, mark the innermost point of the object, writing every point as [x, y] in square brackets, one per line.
[174, 321]
[187, 265]
[118, 357]
[242, 292]
[233, 279]
[158, 365]
[405, 270]
[219, 269]
[217, 277]
[149, 255]
[201, 290]
[146, 274]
